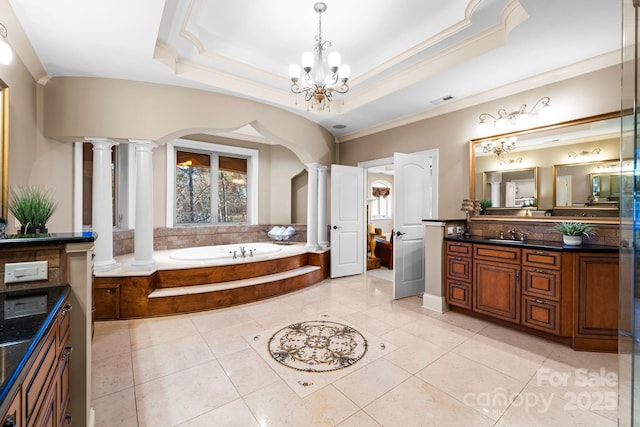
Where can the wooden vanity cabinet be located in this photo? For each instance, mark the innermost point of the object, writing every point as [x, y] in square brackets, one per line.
[43, 397]
[459, 275]
[496, 284]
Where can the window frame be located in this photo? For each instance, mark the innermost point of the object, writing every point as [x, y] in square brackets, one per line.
[213, 150]
[376, 200]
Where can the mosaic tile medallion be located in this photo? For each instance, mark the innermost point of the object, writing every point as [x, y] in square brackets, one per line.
[317, 346]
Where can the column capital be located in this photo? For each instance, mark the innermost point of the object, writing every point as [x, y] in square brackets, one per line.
[323, 168]
[312, 166]
[143, 144]
[101, 143]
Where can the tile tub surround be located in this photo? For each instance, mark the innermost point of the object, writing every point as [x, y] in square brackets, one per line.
[184, 237]
[428, 374]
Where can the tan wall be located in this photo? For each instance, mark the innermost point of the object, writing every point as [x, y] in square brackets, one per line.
[586, 95]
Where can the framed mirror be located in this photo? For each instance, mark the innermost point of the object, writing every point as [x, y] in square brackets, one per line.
[553, 153]
[4, 149]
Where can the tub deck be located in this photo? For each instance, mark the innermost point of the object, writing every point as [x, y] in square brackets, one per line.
[188, 286]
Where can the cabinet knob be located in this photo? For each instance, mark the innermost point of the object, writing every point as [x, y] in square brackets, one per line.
[67, 352]
[539, 301]
[537, 270]
[67, 308]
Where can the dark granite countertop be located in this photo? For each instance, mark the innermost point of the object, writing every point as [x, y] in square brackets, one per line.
[19, 337]
[538, 244]
[14, 240]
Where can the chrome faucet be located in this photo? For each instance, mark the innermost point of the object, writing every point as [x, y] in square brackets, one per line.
[242, 252]
[513, 232]
[234, 254]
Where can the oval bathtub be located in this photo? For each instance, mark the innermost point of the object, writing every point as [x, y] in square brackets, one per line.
[206, 253]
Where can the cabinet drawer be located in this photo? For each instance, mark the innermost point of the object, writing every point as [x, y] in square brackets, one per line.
[541, 314]
[496, 253]
[541, 283]
[39, 376]
[541, 258]
[459, 293]
[459, 268]
[459, 248]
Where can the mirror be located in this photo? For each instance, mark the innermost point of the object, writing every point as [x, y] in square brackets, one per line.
[568, 161]
[511, 188]
[4, 149]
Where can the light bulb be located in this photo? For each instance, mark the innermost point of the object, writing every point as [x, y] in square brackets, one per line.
[6, 55]
[307, 60]
[294, 71]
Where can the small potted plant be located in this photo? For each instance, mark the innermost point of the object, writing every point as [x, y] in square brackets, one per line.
[32, 207]
[484, 205]
[572, 232]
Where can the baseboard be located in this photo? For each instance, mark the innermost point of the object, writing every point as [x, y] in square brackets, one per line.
[435, 303]
[92, 417]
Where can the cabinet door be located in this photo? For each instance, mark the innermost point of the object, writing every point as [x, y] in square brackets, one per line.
[496, 290]
[459, 293]
[459, 268]
[597, 294]
[13, 415]
[541, 314]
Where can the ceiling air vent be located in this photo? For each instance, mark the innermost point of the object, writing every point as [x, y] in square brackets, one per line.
[442, 100]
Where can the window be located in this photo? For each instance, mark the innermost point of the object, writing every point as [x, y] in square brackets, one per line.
[381, 204]
[211, 184]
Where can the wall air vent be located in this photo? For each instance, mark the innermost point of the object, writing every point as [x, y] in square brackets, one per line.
[442, 100]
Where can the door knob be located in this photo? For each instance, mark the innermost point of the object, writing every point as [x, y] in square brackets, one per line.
[399, 233]
[335, 227]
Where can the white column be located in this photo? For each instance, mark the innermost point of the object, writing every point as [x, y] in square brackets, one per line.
[322, 206]
[101, 207]
[143, 243]
[312, 207]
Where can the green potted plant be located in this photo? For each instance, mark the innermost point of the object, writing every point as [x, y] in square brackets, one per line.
[32, 207]
[572, 232]
[484, 205]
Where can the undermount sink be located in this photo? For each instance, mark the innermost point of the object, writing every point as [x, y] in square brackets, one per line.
[507, 241]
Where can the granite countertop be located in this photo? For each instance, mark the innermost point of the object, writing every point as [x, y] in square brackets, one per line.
[537, 244]
[19, 337]
[13, 240]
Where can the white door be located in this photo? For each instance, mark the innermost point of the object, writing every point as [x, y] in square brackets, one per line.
[347, 221]
[415, 199]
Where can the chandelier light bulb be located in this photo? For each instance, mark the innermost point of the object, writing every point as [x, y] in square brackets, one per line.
[307, 60]
[6, 54]
[345, 72]
[294, 72]
[334, 60]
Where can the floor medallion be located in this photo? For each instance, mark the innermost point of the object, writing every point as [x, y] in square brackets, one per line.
[317, 346]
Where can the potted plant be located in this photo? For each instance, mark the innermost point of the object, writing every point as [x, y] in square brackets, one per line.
[572, 232]
[484, 205]
[32, 207]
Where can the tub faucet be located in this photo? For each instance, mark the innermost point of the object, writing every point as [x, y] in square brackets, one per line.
[242, 251]
[234, 254]
[251, 252]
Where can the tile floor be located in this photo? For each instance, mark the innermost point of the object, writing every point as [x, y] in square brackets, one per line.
[424, 368]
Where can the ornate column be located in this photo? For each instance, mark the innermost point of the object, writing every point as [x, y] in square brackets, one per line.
[102, 202]
[143, 245]
[312, 207]
[322, 206]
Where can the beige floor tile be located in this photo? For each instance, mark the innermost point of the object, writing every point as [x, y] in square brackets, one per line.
[395, 315]
[413, 354]
[112, 374]
[116, 409]
[501, 356]
[362, 320]
[231, 339]
[360, 419]
[278, 406]
[247, 371]
[371, 381]
[329, 406]
[416, 403]
[438, 333]
[234, 414]
[110, 339]
[535, 407]
[260, 309]
[472, 383]
[212, 321]
[521, 340]
[179, 397]
[174, 356]
[461, 320]
[161, 330]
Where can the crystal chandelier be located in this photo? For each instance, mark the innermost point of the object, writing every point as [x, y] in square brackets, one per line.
[319, 84]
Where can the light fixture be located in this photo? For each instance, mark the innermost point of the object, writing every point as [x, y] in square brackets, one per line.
[6, 55]
[500, 147]
[593, 152]
[318, 85]
[520, 118]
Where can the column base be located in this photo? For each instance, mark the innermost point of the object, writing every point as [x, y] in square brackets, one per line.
[313, 246]
[106, 265]
[323, 245]
[435, 303]
[143, 265]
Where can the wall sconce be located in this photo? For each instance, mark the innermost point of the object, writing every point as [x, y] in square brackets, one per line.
[500, 147]
[520, 118]
[505, 161]
[6, 55]
[593, 152]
